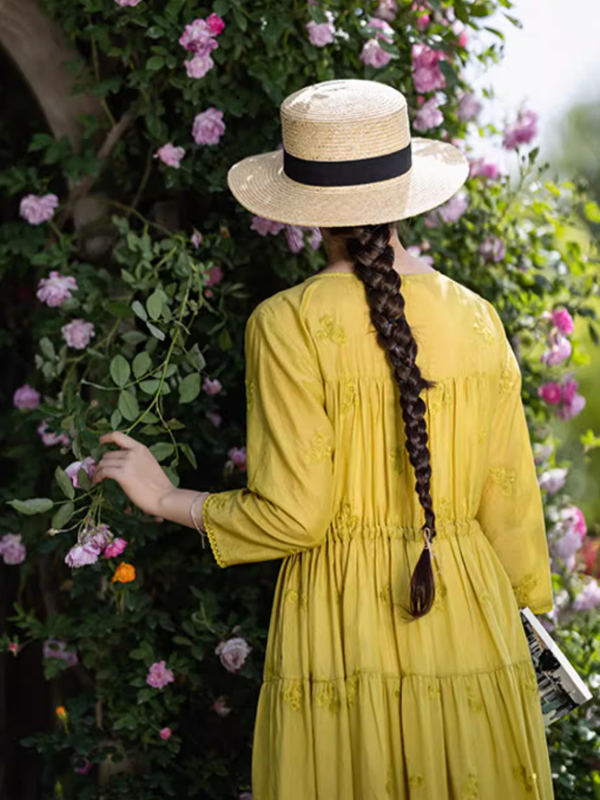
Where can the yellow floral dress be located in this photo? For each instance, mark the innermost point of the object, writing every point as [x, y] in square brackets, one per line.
[359, 701]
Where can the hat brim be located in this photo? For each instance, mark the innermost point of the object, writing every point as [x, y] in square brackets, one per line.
[438, 171]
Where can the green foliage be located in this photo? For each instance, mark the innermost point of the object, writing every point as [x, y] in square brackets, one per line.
[160, 329]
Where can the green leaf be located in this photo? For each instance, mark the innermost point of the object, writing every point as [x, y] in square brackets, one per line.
[240, 19]
[47, 347]
[196, 358]
[155, 63]
[495, 31]
[154, 305]
[592, 211]
[120, 370]
[224, 339]
[64, 482]
[62, 516]
[139, 310]
[156, 332]
[115, 419]
[593, 333]
[84, 479]
[221, 7]
[37, 505]
[171, 475]
[128, 406]
[449, 73]
[189, 388]
[119, 310]
[150, 386]
[516, 22]
[533, 154]
[141, 364]
[161, 450]
[189, 454]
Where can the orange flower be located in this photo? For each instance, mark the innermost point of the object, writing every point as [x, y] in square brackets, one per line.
[61, 713]
[124, 573]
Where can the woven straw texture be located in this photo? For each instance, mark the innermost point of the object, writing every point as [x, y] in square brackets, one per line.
[347, 120]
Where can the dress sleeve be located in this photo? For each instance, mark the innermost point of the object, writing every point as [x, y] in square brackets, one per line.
[286, 505]
[511, 512]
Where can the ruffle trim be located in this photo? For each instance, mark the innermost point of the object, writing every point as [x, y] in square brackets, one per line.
[210, 532]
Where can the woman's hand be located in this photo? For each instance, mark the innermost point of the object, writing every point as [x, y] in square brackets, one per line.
[136, 470]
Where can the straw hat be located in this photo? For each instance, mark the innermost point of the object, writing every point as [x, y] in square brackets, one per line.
[348, 158]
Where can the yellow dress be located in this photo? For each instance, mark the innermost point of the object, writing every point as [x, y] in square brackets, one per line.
[359, 702]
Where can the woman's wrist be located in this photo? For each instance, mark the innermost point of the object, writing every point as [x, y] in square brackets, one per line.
[176, 505]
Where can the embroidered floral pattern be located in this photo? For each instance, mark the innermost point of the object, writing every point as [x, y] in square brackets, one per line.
[482, 327]
[473, 699]
[349, 395]
[471, 788]
[524, 588]
[331, 330]
[482, 433]
[397, 459]
[438, 397]
[319, 448]
[443, 509]
[385, 595]
[292, 694]
[250, 395]
[345, 522]
[525, 778]
[326, 695]
[508, 379]
[504, 478]
[434, 691]
[352, 684]
[416, 781]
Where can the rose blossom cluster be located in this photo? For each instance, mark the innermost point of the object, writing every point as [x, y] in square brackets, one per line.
[233, 653]
[159, 675]
[559, 347]
[321, 33]
[588, 597]
[451, 211]
[567, 534]
[373, 54]
[564, 396]
[294, 234]
[428, 115]
[200, 38]
[96, 540]
[55, 648]
[237, 458]
[522, 131]
[49, 438]
[427, 75]
[492, 248]
[480, 168]
[12, 549]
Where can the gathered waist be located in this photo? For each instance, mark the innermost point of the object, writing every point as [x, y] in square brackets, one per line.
[346, 526]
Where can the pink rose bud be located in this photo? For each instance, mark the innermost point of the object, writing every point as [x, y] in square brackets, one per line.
[211, 386]
[166, 734]
[12, 550]
[13, 648]
[115, 548]
[550, 393]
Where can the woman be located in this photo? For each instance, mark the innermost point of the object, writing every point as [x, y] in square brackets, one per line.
[399, 487]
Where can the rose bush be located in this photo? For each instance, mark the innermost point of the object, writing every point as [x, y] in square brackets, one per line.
[131, 316]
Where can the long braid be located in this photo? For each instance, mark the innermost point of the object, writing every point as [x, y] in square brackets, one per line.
[369, 247]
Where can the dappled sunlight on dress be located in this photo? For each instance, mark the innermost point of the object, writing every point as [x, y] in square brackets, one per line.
[359, 701]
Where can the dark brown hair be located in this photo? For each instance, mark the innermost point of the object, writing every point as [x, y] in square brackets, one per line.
[368, 246]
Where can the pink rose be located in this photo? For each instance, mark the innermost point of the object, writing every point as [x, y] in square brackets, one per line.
[165, 734]
[568, 544]
[552, 480]
[213, 276]
[294, 238]
[159, 675]
[468, 107]
[49, 438]
[315, 238]
[13, 647]
[78, 333]
[569, 389]
[560, 349]
[35, 209]
[170, 155]
[85, 767]
[26, 398]
[215, 24]
[55, 289]
[522, 131]
[128, 2]
[589, 597]
[572, 408]
[427, 75]
[563, 321]
[550, 392]
[453, 209]
[373, 54]
[88, 464]
[208, 127]
[220, 707]
[387, 10]
[428, 116]
[321, 33]
[215, 418]
[233, 653]
[266, 226]
[198, 38]
[492, 248]
[480, 168]
[238, 456]
[55, 648]
[82, 555]
[211, 386]
[245, 796]
[12, 550]
[196, 239]
[115, 548]
[198, 67]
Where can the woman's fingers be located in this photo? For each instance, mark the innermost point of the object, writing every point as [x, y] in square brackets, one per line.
[113, 471]
[119, 438]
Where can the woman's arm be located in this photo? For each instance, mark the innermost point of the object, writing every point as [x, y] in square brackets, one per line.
[144, 482]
